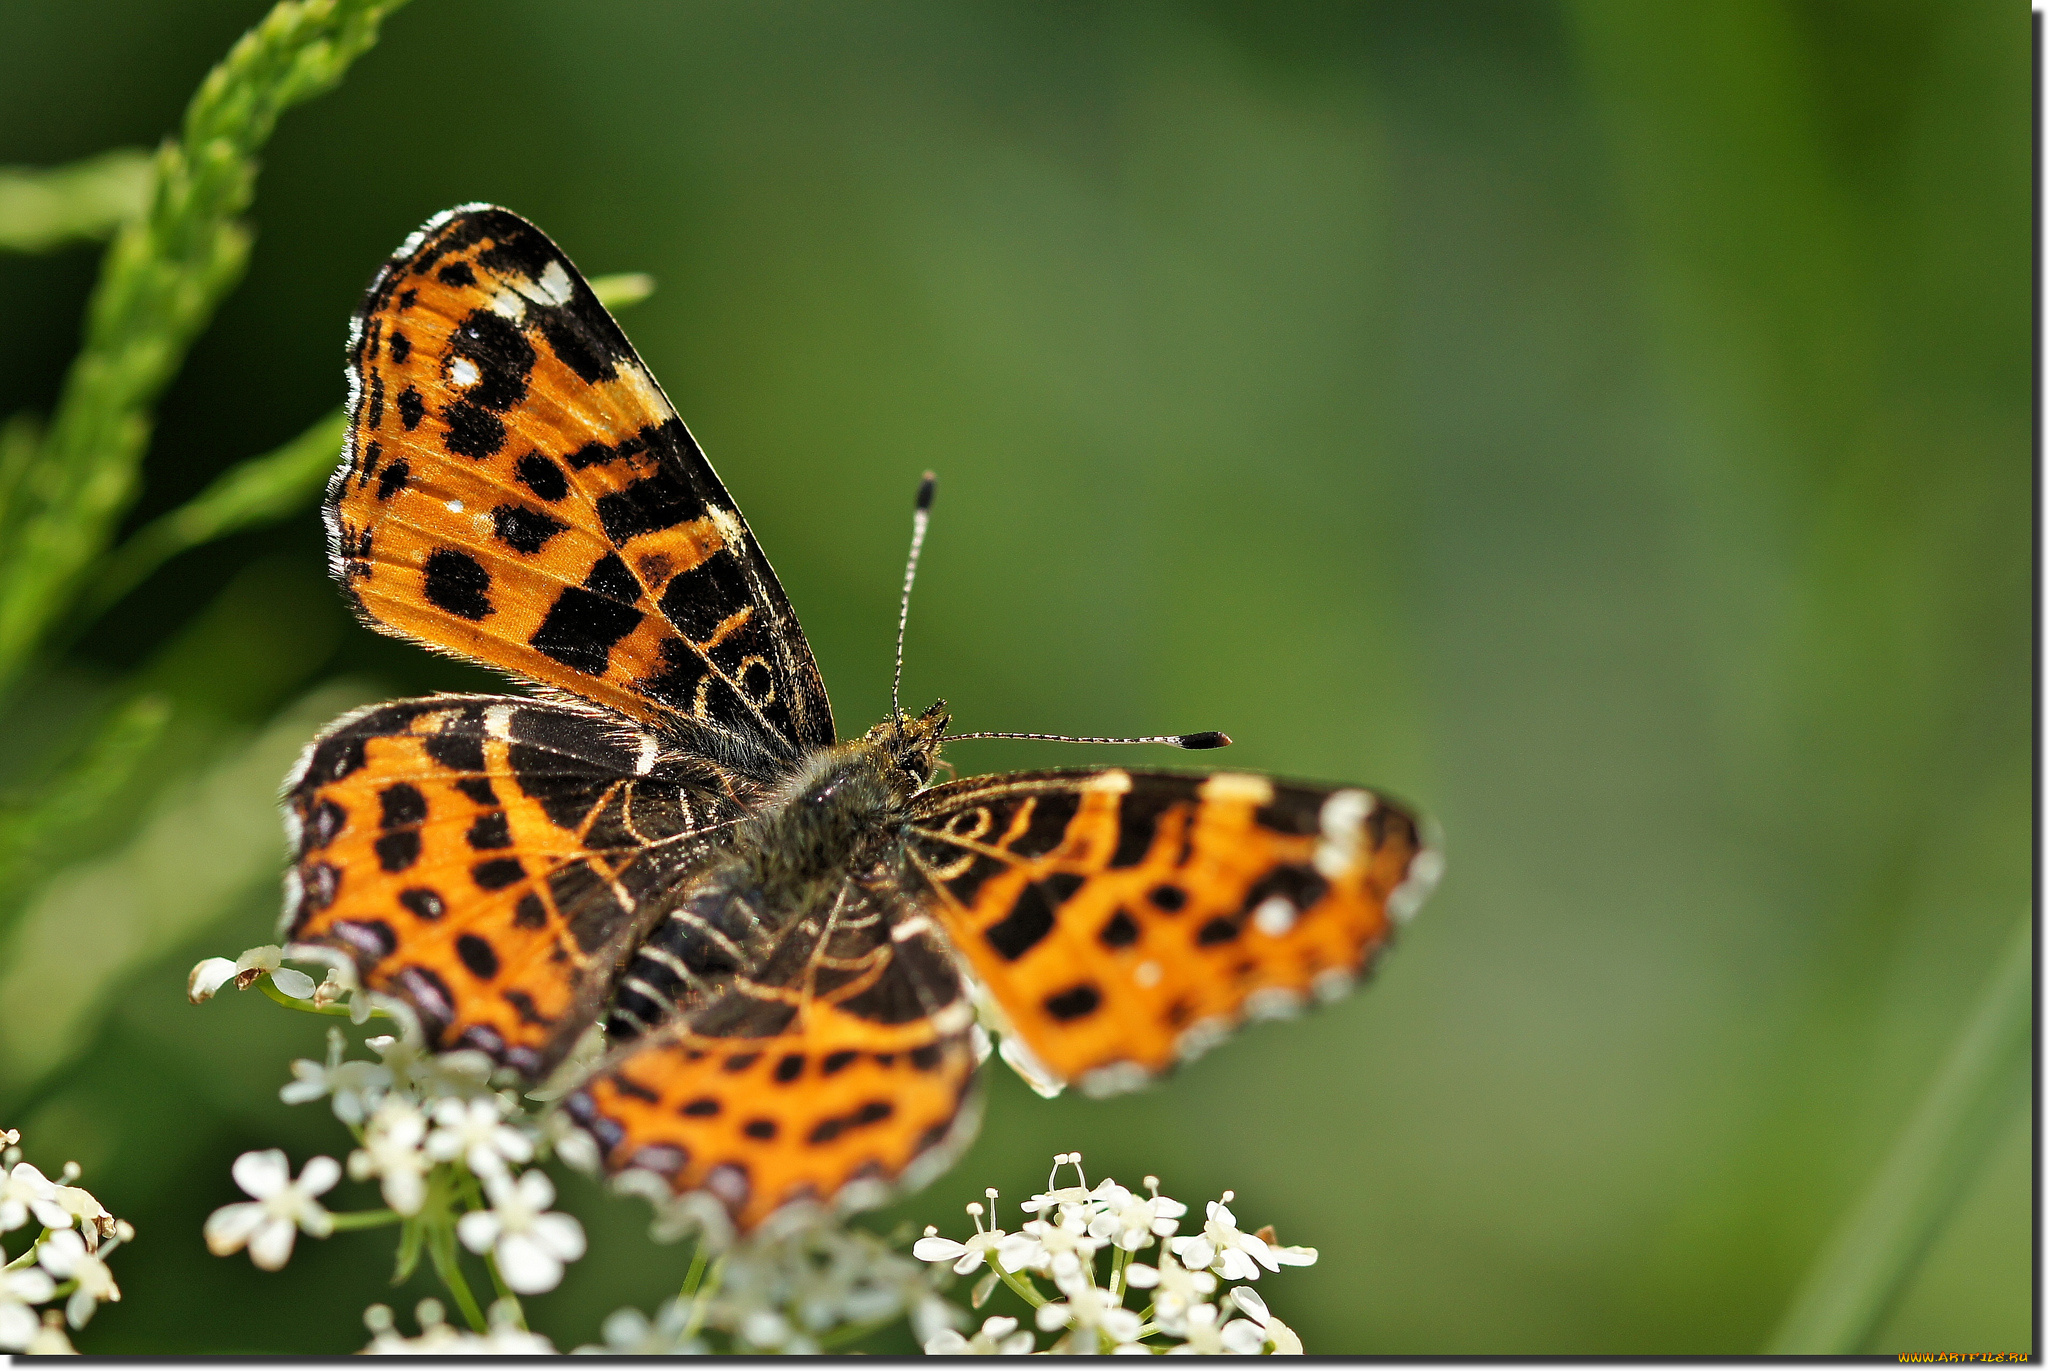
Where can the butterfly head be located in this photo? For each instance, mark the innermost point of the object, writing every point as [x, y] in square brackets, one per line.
[912, 742]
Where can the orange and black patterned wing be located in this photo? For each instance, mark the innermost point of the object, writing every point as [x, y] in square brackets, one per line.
[485, 860]
[836, 1070]
[517, 490]
[1125, 921]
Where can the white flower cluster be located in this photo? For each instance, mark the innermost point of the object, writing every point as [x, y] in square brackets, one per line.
[800, 1290]
[504, 1338]
[443, 1147]
[1073, 1229]
[67, 1260]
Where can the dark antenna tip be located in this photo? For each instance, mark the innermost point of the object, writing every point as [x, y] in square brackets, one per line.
[920, 520]
[1198, 742]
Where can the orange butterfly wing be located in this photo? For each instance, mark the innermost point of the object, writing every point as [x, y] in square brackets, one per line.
[483, 860]
[517, 490]
[835, 1068]
[1126, 921]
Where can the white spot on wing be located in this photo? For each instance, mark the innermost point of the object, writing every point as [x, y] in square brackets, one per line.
[1147, 974]
[1333, 984]
[462, 372]
[1236, 785]
[554, 285]
[728, 525]
[455, 506]
[498, 722]
[1111, 782]
[1424, 871]
[650, 749]
[1343, 820]
[1199, 1037]
[645, 393]
[1274, 916]
[507, 305]
[1273, 1002]
[1113, 1079]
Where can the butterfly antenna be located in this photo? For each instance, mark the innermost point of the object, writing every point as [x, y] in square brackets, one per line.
[1193, 742]
[920, 520]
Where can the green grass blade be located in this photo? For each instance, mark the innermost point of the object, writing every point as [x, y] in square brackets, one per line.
[77, 794]
[259, 491]
[46, 207]
[621, 289]
[164, 275]
[1866, 1263]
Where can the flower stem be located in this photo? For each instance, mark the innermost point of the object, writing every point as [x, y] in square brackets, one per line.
[695, 1275]
[308, 1007]
[365, 1218]
[1019, 1283]
[441, 1248]
[1868, 1260]
[702, 1302]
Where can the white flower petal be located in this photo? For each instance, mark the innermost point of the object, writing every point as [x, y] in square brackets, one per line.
[319, 1176]
[478, 1229]
[271, 1247]
[945, 1343]
[937, 1249]
[262, 1174]
[206, 980]
[230, 1226]
[527, 1266]
[18, 1327]
[561, 1234]
[296, 984]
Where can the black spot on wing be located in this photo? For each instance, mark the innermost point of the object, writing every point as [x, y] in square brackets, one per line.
[524, 529]
[502, 357]
[398, 851]
[1075, 1002]
[1024, 927]
[401, 804]
[654, 502]
[697, 601]
[1139, 811]
[476, 954]
[581, 628]
[457, 582]
[424, 903]
[610, 578]
[393, 480]
[498, 873]
[490, 831]
[457, 274]
[541, 476]
[1051, 812]
[473, 431]
[411, 408]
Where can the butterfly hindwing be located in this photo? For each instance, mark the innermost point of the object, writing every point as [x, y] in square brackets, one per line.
[484, 858]
[836, 1068]
[517, 490]
[1124, 921]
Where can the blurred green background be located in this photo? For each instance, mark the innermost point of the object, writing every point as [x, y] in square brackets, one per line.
[1606, 424]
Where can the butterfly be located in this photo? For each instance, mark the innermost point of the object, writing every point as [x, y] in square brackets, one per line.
[791, 940]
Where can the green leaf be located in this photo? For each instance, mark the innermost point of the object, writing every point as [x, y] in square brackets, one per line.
[622, 289]
[410, 1241]
[258, 491]
[46, 207]
[1880, 1243]
[80, 790]
[164, 275]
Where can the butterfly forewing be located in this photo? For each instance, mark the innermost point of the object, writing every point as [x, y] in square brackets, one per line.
[517, 490]
[1124, 921]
